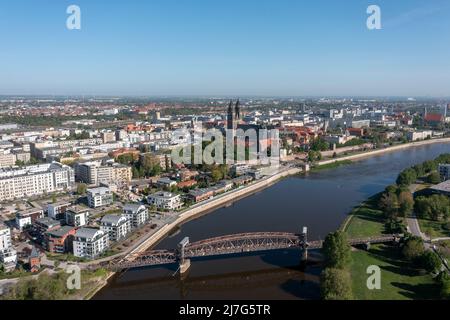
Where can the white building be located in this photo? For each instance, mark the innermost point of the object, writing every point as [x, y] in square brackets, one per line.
[165, 200]
[8, 256]
[90, 243]
[419, 135]
[116, 226]
[98, 197]
[5, 237]
[57, 210]
[35, 180]
[22, 221]
[136, 213]
[77, 216]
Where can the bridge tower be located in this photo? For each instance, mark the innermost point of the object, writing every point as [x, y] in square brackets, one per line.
[304, 239]
[184, 263]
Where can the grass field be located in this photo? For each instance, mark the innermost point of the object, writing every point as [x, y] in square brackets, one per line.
[433, 229]
[398, 280]
[366, 220]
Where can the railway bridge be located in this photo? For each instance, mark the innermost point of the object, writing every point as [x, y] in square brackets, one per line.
[232, 244]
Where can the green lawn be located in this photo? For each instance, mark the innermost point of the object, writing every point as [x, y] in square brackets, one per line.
[433, 228]
[398, 280]
[366, 221]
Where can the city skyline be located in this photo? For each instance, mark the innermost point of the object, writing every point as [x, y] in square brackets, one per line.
[225, 49]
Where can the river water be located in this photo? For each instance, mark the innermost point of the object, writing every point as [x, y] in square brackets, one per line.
[320, 201]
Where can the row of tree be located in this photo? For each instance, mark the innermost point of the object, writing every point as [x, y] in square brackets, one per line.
[335, 281]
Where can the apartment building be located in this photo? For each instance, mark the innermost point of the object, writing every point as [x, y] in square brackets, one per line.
[5, 237]
[136, 213]
[95, 173]
[77, 216]
[165, 200]
[98, 197]
[90, 243]
[7, 160]
[116, 226]
[58, 210]
[60, 240]
[35, 180]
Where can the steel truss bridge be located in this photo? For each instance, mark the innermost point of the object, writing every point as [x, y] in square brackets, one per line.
[231, 244]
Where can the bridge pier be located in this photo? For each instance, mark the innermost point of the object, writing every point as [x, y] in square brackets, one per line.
[304, 251]
[184, 264]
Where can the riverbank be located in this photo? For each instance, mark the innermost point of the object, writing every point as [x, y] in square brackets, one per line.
[199, 210]
[372, 153]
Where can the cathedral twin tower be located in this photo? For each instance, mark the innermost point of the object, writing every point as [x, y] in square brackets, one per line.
[233, 115]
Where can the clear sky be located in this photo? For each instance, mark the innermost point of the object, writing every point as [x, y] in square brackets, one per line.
[232, 47]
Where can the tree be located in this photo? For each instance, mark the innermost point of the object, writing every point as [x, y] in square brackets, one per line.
[435, 207]
[389, 204]
[430, 261]
[413, 248]
[335, 284]
[314, 156]
[81, 189]
[337, 250]
[320, 145]
[444, 281]
[434, 178]
[407, 177]
[406, 203]
[216, 174]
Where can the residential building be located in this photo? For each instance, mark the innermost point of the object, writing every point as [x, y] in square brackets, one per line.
[22, 221]
[98, 197]
[90, 243]
[199, 195]
[8, 258]
[60, 240]
[58, 210]
[136, 213]
[419, 135]
[242, 180]
[166, 182]
[5, 237]
[7, 160]
[116, 226]
[35, 180]
[77, 216]
[45, 224]
[95, 173]
[165, 200]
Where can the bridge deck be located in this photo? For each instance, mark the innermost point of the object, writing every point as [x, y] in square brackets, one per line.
[233, 244]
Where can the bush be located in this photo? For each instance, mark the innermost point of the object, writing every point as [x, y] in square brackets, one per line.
[430, 261]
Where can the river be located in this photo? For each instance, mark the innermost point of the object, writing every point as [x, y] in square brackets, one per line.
[320, 201]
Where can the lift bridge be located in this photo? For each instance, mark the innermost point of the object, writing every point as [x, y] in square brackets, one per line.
[231, 244]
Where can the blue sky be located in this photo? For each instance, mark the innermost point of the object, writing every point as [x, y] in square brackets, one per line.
[233, 47]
